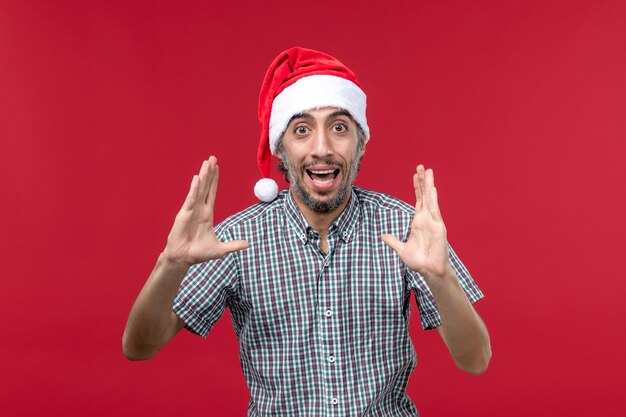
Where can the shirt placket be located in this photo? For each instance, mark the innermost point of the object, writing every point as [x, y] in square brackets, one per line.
[328, 337]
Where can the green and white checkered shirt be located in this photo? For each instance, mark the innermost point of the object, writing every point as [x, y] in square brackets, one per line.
[320, 334]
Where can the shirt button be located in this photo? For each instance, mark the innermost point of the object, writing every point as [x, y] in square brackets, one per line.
[334, 401]
[328, 313]
[331, 359]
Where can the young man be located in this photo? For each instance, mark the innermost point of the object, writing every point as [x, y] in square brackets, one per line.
[317, 278]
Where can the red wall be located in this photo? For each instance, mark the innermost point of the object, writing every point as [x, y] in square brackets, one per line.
[107, 109]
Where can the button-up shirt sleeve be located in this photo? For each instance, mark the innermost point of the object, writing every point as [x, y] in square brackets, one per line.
[429, 315]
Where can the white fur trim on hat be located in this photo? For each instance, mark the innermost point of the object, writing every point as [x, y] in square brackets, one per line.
[314, 92]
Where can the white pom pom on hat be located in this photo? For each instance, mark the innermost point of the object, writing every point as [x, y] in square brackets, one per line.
[266, 189]
[298, 80]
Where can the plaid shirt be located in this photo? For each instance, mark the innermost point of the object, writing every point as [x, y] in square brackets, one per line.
[320, 334]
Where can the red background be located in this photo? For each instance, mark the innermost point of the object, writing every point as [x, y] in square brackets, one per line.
[107, 109]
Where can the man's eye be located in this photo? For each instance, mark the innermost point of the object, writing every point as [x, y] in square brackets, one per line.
[339, 127]
[301, 130]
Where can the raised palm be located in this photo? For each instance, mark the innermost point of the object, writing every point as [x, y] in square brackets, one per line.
[426, 249]
[192, 238]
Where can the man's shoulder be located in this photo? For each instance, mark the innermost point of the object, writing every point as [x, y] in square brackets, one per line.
[256, 213]
[377, 201]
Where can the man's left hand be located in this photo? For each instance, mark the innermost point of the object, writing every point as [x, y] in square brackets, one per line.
[426, 249]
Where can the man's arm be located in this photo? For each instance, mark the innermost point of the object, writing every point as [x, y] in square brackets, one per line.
[152, 323]
[426, 252]
[461, 329]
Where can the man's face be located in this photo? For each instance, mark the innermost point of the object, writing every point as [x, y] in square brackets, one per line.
[320, 153]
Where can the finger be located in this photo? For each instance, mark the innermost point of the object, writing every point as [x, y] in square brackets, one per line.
[429, 191]
[211, 163]
[393, 242]
[233, 246]
[434, 210]
[429, 178]
[192, 195]
[203, 186]
[418, 184]
[429, 184]
[215, 171]
[418, 192]
[431, 195]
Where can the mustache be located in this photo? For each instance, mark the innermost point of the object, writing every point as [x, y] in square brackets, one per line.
[326, 161]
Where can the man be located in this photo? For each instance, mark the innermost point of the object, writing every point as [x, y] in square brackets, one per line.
[317, 278]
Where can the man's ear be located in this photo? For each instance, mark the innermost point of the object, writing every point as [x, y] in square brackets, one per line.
[363, 151]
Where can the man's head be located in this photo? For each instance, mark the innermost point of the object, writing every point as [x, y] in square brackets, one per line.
[306, 87]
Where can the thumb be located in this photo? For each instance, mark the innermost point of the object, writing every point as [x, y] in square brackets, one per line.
[393, 242]
[234, 246]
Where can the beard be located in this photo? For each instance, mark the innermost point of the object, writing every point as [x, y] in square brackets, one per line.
[315, 204]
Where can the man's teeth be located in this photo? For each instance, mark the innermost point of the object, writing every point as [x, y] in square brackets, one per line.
[322, 177]
[321, 182]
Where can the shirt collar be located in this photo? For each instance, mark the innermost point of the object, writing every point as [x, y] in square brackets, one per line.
[343, 226]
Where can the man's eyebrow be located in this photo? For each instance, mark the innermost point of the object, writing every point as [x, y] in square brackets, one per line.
[307, 116]
[303, 115]
[341, 112]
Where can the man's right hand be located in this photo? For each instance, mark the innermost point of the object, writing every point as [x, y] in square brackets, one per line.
[192, 239]
[151, 322]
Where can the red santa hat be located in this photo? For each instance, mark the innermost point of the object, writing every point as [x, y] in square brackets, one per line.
[298, 80]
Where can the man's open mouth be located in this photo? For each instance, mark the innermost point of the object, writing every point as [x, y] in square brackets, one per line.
[322, 176]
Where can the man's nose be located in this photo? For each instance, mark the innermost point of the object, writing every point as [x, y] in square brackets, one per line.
[322, 145]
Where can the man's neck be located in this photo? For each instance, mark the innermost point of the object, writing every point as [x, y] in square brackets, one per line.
[321, 222]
